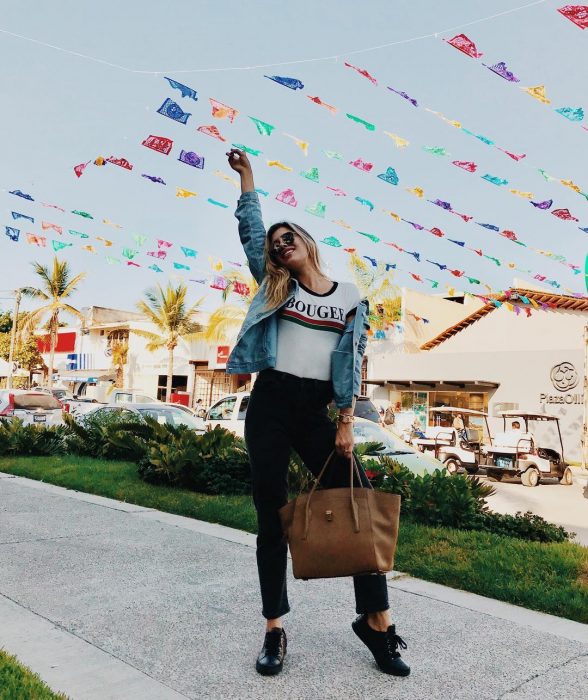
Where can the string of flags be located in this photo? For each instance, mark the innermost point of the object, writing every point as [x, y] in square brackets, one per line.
[465, 45]
[390, 176]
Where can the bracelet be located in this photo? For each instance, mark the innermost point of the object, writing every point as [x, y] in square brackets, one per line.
[345, 418]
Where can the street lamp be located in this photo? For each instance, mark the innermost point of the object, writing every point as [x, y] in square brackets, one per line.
[17, 299]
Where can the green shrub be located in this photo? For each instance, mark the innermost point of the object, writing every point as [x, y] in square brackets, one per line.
[16, 438]
[526, 526]
[102, 435]
[457, 501]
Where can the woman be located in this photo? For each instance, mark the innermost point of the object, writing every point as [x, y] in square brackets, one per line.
[305, 335]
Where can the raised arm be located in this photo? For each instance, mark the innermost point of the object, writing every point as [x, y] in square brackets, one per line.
[251, 229]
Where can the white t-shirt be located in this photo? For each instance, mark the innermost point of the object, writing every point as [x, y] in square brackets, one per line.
[309, 328]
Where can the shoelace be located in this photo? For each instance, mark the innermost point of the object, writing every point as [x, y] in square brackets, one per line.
[273, 643]
[393, 641]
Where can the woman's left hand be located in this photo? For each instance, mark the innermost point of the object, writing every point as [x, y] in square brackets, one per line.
[344, 440]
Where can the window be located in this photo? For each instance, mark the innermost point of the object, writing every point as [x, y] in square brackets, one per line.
[223, 410]
[243, 408]
[141, 398]
[123, 398]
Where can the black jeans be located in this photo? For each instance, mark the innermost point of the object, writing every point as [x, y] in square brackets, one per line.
[287, 412]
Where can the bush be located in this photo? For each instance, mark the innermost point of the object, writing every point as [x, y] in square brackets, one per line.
[458, 501]
[101, 435]
[16, 438]
[215, 462]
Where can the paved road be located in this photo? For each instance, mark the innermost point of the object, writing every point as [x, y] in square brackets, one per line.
[563, 505]
[112, 601]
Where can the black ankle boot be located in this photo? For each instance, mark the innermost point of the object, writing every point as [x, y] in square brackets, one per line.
[271, 657]
[383, 645]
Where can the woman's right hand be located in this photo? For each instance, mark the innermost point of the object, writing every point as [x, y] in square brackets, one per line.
[238, 161]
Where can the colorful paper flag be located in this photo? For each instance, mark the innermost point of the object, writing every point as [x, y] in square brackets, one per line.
[153, 178]
[16, 215]
[79, 234]
[410, 99]
[184, 89]
[179, 266]
[155, 268]
[18, 193]
[318, 101]
[222, 205]
[33, 239]
[292, 83]
[278, 164]
[211, 130]
[501, 70]
[436, 150]
[462, 43]
[574, 115]
[263, 128]
[287, 197]
[181, 192]
[371, 236]
[332, 241]
[398, 140]
[302, 145]
[368, 126]
[466, 165]
[317, 209]
[189, 252]
[221, 111]
[161, 144]
[121, 162]
[363, 72]
[365, 202]
[537, 92]
[191, 158]
[250, 151]
[545, 204]
[12, 233]
[564, 214]
[58, 245]
[173, 110]
[389, 176]
[361, 165]
[578, 14]
[417, 191]
[495, 180]
[79, 169]
[311, 174]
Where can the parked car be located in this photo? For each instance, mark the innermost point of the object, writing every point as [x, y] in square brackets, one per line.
[80, 405]
[60, 393]
[161, 412]
[31, 406]
[229, 412]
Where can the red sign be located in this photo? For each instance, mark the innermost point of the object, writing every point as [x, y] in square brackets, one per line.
[222, 354]
[66, 342]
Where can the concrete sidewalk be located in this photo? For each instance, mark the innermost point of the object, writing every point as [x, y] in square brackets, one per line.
[109, 600]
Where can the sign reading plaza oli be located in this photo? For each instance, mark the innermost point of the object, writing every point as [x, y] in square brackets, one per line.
[564, 378]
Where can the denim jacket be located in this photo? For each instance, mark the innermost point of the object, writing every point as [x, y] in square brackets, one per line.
[257, 342]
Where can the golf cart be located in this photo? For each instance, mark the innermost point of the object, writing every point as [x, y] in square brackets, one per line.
[457, 449]
[517, 453]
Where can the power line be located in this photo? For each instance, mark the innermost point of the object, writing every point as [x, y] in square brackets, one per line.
[334, 57]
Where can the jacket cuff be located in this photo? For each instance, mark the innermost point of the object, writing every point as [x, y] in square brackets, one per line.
[249, 197]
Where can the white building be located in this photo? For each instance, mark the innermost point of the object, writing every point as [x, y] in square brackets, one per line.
[85, 362]
[528, 352]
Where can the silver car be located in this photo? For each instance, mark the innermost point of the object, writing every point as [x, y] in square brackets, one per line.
[31, 406]
[163, 413]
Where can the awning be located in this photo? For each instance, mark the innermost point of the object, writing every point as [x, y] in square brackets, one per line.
[472, 385]
[87, 375]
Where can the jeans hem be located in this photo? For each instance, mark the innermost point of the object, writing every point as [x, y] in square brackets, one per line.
[284, 611]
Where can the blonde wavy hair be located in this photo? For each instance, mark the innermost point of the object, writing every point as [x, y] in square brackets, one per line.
[277, 276]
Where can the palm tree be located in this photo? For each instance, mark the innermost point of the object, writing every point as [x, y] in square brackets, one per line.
[57, 285]
[120, 353]
[167, 310]
[374, 283]
[225, 321]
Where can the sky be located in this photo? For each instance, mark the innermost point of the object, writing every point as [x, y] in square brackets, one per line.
[62, 109]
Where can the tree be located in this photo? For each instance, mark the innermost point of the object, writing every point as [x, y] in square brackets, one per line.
[374, 283]
[167, 310]
[120, 353]
[224, 322]
[26, 354]
[57, 286]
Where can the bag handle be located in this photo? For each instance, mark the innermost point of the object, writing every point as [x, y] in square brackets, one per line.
[353, 503]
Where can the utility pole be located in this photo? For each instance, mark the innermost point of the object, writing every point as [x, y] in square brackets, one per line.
[13, 332]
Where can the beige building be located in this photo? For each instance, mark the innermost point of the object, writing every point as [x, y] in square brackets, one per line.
[525, 351]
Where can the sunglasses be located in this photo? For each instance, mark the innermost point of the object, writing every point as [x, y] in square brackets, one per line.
[284, 241]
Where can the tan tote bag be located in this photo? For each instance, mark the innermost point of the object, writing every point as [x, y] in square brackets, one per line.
[341, 531]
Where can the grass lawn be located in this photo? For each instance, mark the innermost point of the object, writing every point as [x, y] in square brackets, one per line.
[17, 682]
[552, 578]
